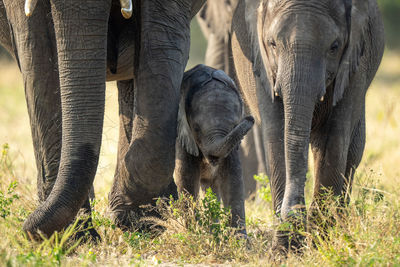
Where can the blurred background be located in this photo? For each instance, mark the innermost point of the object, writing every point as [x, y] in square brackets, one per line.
[382, 154]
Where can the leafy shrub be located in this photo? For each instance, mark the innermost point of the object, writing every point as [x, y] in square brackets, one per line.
[264, 191]
[7, 198]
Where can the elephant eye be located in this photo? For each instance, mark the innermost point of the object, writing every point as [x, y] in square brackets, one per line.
[271, 43]
[196, 128]
[334, 47]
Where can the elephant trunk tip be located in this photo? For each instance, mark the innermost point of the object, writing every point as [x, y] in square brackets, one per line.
[226, 145]
[250, 119]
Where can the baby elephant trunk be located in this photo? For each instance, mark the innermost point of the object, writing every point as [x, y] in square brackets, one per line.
[223, 147]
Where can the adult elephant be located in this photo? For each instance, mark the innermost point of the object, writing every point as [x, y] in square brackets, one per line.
[304, 68]
[215, 20]
[61, 49]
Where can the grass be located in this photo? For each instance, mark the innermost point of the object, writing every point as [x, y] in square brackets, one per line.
[367, 236]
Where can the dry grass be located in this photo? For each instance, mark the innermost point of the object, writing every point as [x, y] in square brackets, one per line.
[368, 235]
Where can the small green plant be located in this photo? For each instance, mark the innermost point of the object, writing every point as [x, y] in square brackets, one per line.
[5, 161]
[213, 216]
[264, 191]
[7, 198]
[201, 218]
[137, 240]
[58, 246]
[90, 256]
[97, 218]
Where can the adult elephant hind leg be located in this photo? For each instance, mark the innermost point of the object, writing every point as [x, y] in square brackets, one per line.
[330, 146]
[354, 157]
[126, 105]
[252, 157]
[163, 54]
[35, 51]
[126, 101]
[216, 52]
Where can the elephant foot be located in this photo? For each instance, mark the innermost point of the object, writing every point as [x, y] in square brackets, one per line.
[287, 241]
[86, 232]
[83, 228]
[129, 209]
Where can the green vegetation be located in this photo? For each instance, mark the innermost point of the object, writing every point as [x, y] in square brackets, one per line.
[264, 190]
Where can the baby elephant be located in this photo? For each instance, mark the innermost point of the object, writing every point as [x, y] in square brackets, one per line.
[210, 128]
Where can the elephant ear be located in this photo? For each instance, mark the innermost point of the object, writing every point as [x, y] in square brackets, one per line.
[357, 15]
[255, 16]
[193, 80]
[185, 135]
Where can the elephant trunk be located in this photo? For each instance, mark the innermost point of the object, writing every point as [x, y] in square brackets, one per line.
[223, 147]
[303, 85]
[81, 34]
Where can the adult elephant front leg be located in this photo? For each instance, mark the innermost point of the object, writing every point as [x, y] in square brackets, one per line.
[272, 126]
[163, 54]
[82, 72]
[35, 50]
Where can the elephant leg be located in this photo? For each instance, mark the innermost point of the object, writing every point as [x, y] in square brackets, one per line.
[231, 189]
[126, 100]
[187, 172]
[252, 157]
[354, 157]
[330, 146]
[272, 126]
[249, 163]
[126, 116]
[216, 52]
[337, 151]
[36, 53]
[162, 57]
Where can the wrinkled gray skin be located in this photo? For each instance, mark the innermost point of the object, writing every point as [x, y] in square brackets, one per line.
[215, 19]
[304, 68]
[210, 128]
[63, 51]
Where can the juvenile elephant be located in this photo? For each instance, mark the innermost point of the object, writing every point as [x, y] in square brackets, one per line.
[304, 68]
[215, 20]
[62, 51]
[210, 128]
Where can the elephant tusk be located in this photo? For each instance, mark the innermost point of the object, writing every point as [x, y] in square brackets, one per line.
[126, 8]
[29, 7]
[322, 99]
[276, 94]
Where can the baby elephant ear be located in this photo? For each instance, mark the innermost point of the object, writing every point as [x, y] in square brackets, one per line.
[185, 135]
[357, 15]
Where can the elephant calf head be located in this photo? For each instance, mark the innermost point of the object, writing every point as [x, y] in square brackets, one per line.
[210, 119]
